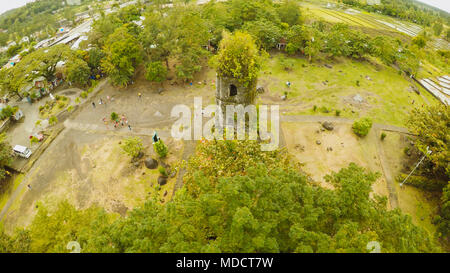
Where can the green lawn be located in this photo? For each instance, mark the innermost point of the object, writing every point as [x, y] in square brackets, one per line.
[387, 95]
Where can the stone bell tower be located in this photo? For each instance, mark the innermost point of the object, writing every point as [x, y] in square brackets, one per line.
[229, 91]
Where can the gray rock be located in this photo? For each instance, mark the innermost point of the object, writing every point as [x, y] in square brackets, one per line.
[151, 163]
[328, 125]
[260, 89]
[284, 97]
[318, 142]
[328, 66]
[162, 180]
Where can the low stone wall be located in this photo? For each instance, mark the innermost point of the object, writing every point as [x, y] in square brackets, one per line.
[5, 125]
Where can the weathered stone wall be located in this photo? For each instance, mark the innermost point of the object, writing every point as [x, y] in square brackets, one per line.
[244, 96]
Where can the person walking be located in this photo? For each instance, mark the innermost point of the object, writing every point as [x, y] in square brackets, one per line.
[129, 127]
[140, 95]
[93, 104]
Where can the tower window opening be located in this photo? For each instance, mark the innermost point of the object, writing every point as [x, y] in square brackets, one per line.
[233, 90]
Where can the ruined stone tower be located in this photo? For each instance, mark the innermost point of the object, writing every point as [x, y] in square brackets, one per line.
[230, 91]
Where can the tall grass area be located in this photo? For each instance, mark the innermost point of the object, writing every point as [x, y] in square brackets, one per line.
[387, 94]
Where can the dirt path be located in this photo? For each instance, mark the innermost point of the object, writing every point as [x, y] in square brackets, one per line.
[393, 198]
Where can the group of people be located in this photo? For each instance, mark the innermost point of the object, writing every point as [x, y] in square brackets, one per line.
[121, 122]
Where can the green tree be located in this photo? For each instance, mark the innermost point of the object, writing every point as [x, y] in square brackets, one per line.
[289, 12]
[238, 57]
[160, 148]
[420, 41]
[123, 54]
[5, 155]
[265, 32]
[362, 127]
[94, 57]
[77, 71]
[431, 124]
[438, 28]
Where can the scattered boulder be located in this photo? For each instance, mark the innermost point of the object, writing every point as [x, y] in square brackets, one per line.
[137, 164]
[162, 180]
[368, 78]
[260, 89]
[284, 97]
[165, 193]
[329, 149]
[160, 90]
[151, 163]
[318, 142]
[328, 125]
[328, 66]
[157, 114]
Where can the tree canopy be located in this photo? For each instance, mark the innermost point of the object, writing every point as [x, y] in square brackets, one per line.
[122, 54]
[237, 199]
[238, 57]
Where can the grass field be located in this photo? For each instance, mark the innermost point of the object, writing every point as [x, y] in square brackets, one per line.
[387, 96]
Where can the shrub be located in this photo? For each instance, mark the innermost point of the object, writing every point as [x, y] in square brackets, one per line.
[132, 146]
[324, 109]
[160, 148]
[162, 171]
[70, 108]
[84, 94]
[383, 136]
[114, 116]
[77, 101]
[315, 108]
[53, 120]
[362, 127]
[338, 113]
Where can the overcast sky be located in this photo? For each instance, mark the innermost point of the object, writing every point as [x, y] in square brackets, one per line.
[10, 4]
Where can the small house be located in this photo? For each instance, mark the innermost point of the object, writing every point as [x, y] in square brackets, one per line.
[282, 44]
